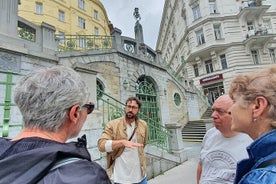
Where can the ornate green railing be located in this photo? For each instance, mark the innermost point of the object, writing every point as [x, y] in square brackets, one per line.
[84, 42]
[26, 32]
[6, 83]
[112, 108]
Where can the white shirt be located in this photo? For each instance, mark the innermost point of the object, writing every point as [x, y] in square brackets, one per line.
[127, 168]
[219, 156]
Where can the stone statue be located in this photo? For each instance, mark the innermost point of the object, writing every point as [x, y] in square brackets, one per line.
[136, 14]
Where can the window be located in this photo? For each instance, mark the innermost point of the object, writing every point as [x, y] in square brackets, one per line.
[61, 36]
[81, 22]
[209, 66]
[177, 99]
[223, 62]
[267, 23]
[255, 56]
[38, 8]
[196, 12]
[267, 26]
[82, 42]
[272, 55]
[61, 16]
[213, 6]
[81, 4]
[96, 31]
[96, 14]
[200, 37]
[217, 31]
[196, 70]
[250, 26]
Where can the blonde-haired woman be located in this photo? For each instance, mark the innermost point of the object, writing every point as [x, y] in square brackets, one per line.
[254, 112]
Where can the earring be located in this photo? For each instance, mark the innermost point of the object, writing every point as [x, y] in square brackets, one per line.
[254, 120]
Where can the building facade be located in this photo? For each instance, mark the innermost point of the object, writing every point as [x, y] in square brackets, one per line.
[122, 68]
[208, 42]
[69, 17]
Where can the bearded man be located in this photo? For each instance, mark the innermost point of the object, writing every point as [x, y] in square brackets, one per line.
[124, 140]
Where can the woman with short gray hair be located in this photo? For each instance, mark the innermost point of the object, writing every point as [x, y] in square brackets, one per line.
[254, 113]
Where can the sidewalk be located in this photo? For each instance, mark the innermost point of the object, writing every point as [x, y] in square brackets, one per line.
[184, 173]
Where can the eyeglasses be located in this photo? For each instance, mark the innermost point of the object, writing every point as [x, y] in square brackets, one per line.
[90, 107]
[131, 107]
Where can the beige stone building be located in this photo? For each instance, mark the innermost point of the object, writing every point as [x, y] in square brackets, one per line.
[207, 42]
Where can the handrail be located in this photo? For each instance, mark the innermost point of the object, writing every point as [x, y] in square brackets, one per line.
[7, 103]
[112, 108]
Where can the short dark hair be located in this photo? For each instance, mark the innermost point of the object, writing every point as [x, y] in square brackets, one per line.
[134, 99]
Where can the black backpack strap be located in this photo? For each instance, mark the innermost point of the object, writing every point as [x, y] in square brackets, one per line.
[267, 163]
[64, 161]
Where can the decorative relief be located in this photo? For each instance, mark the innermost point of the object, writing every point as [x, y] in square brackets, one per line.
[9, 62]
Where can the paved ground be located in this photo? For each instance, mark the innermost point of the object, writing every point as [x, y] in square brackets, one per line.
[184, 173]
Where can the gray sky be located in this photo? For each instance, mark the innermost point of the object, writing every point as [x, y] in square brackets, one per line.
[120, 13]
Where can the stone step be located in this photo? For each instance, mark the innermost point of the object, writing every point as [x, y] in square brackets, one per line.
[194, 131]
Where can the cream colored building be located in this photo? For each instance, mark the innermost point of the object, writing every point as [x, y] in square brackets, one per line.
[207, 42]
[69, 17]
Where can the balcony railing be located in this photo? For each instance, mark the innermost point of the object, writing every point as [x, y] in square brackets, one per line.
[85, 42]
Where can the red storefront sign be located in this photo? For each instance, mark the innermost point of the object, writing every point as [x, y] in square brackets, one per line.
[211, 78]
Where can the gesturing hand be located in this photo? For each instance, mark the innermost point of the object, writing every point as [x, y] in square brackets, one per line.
[130, 144]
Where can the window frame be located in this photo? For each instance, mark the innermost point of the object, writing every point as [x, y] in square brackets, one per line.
[213, 6]
[96, 31]
[272, 55]
[96, 15]
[255, 56]
[223, 61]
[217, 31]
[81, 22]
[61, 15]
[200, 37]
[196, 70]
[38, 8]
[81, 4]
[196, 12]
[209, 66]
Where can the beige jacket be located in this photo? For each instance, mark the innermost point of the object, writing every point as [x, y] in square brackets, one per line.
[116, 130]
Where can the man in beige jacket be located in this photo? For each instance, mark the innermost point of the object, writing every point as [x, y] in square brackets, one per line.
[124, 140]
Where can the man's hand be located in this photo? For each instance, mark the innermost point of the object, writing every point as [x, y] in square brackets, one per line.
[125, 143]
[130, 144]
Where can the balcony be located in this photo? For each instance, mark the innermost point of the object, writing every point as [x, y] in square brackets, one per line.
[258, 37]
[252, 12]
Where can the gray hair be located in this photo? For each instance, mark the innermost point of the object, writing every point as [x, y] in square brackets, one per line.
[44, 97]
[258, 83]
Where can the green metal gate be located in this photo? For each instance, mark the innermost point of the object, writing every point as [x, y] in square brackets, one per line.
[146, 93]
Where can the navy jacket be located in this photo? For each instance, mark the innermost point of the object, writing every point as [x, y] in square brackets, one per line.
[29, 160]
[261, 150]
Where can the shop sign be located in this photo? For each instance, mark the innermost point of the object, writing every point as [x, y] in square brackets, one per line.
[211, 78]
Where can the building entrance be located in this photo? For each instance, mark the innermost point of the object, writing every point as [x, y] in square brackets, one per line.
[212, 92]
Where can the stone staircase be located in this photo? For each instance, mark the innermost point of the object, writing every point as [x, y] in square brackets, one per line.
[194, 131]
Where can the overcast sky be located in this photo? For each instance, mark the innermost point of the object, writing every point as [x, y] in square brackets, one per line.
[120, 13]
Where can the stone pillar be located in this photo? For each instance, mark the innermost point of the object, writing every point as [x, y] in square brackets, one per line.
[48, 37]
[176, 145]
[117, 42]
[8, 17]
[138, 30]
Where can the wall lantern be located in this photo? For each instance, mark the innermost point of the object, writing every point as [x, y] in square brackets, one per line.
[125, 84]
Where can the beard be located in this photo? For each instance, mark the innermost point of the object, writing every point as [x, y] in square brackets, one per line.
[130, 115]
